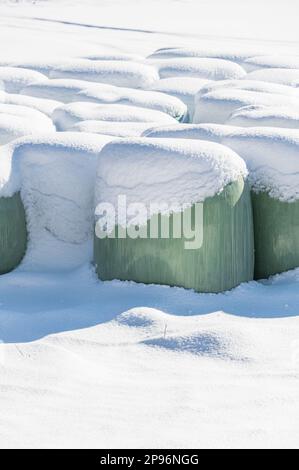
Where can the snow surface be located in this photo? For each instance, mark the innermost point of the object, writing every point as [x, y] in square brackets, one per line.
[86, 363]
[113, 128]
[168, 170]
[269, 116]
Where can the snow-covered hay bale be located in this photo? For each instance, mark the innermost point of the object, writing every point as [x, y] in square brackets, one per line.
[69, 90]
[56, 176]
[112, 72]
[234, 54]
[45, 106]
[66, 116]
[265, 116]
[14, 79]
[13, 234]
[13, 127]
[149, 191]
[272, 61]
[218, 105]
[210, 69]
[113, 128]
[210, 132]
[183, 88]
[283, 76]
[272, 157]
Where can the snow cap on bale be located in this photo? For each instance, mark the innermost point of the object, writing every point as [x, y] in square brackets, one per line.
[68, 91]
[45, 106]
[113, 72]
[113, 128]
[265, 116]
[210, 132]
[155, 170]
[283, 76]
[66, 116]
[14, 79]
[210, 69]
[218, 105]
[272, 158]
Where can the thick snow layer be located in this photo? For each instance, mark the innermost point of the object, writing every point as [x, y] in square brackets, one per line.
[283, 76]
[14, 126]
[45, 106]
[272, 158]
[218, 105]
[184, 88]
[41, 65]
[56, 175]
[112, 72]
[66, 116]
[116, 56]
[175, 171]
[210, 69]
[14, 79]
[269, 116]
[114, 128]
[32, 115]
[210, 132]
[272, 61]
[69, 90]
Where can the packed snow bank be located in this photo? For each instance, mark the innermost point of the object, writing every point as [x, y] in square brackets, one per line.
[113, 72]
[272, 61]
[66, 116]
[114, 128]
[69, 90]
[45, 106]
[14, 79]
[210, 69]
[210, 132]
[56, 176]
[283, 76]
[171, 170]
[269, 116]
[218, 105]
[272, 158]
[184, 88]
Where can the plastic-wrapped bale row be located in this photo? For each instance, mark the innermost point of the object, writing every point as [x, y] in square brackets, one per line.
[187, 219]
[13, 233]
[272, 157]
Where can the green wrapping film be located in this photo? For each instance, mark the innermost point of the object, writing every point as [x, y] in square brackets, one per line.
[276, 228]
[224, 260]
[13, 234]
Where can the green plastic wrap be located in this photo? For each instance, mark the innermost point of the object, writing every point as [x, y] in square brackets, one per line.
[13, 233]
[224, 260]
[276, 228]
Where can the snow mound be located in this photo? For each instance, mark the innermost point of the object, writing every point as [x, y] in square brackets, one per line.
[69, 90]
[234, 54]
[56, 176]
[210, 69]
[112, 72]
[210, 132]
[115, 56]
[269, 116]
[272, 158]
[44, 66]
[183, 88]
[114, 128]
[14, 126]
[45, 106]
[32, 116]
[272, 61]
[283, 76]
[218, 105]
[14, 79]
[249, 85]
[176, 171]
[66, 116]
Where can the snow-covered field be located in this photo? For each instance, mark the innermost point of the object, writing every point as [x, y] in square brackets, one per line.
[85, 363]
